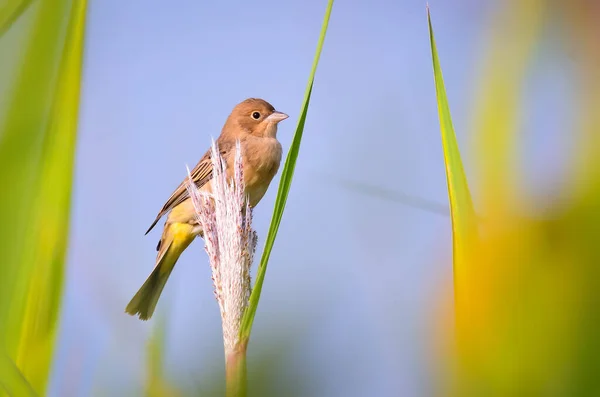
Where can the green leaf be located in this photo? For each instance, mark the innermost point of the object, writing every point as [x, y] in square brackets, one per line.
[464, 221]
[284, 188]
[37, 150]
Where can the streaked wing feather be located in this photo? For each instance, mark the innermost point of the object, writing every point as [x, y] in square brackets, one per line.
[201, 174]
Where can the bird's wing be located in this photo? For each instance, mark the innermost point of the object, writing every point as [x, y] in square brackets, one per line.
[201, 174]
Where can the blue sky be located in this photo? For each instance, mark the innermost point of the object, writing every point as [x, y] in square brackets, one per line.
[353, 278]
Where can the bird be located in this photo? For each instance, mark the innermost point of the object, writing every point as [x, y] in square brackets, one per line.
[253, 122]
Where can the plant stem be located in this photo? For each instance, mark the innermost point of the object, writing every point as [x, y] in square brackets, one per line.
[236, 379]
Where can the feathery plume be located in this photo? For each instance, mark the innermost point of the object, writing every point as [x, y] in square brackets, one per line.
[230, 241]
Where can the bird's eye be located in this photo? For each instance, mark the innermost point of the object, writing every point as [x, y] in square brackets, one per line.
[256, 115]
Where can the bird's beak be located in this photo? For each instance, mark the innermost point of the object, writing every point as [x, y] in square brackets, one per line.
[276, 117]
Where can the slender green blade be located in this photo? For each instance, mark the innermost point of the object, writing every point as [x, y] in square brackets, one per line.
[37, 149]
[284, 188]
[463, 216]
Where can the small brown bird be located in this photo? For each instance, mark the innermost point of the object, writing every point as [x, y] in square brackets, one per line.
[254, 123]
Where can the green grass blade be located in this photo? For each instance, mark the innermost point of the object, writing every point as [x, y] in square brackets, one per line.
[37, 149]
[284, 188]
[463, 216]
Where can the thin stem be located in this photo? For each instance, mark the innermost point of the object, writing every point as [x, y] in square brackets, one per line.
[236, 377]
[283, 190]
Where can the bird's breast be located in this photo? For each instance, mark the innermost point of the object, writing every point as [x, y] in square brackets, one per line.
[261, 163]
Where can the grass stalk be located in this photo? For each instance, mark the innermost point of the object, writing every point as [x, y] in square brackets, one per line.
[236, 376]
[284, 187]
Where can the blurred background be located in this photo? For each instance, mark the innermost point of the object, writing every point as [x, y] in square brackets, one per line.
[358, 295]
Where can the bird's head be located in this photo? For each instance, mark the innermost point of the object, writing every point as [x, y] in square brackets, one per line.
[255, 117]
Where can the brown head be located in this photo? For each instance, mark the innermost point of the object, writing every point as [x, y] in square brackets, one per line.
[255, 117]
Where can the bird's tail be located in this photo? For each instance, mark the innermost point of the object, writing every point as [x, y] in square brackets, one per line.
[174, 241]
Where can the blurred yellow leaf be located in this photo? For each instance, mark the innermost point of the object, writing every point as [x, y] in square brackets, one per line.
[533, 315]
[37, 148]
